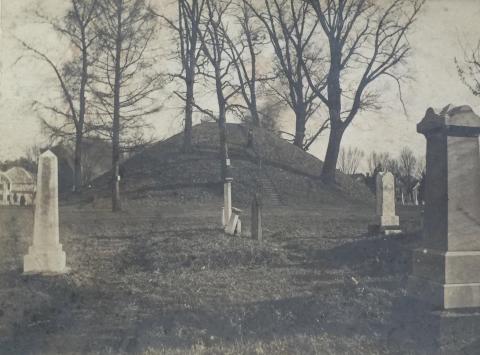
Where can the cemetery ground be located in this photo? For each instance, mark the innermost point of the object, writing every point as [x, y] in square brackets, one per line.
[170, 281]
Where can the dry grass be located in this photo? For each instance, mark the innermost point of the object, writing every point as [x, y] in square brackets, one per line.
[170, 282]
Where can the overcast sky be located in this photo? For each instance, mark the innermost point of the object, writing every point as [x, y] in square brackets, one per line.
[440, 29]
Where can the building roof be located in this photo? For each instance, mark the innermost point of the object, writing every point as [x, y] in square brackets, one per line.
[18, 175]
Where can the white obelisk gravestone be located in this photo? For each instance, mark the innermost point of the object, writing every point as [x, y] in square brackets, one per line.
[45, 255]
[387, 221]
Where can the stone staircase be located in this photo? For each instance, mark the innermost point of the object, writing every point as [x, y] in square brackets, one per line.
[270, 195]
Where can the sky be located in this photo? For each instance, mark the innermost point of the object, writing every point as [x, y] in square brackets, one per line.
[442, 30]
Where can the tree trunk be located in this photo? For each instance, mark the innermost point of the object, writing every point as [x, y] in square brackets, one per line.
[299, 126]
[187, 139]
[116, 204]
[223, 152]
[335, 107]
[77, 173]
[253, 108]
[331, 157]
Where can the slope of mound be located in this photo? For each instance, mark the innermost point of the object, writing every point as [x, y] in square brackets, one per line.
[289, 176]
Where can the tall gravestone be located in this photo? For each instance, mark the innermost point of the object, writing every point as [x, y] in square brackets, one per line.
[227, 194]
[446, 269]
[386, 220]
[45, 255]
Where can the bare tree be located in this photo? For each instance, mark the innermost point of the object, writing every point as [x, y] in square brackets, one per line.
[469, 69]
[291, 30]
[407, 163]
[32, 154]
[243, 51]
[126, 78]
[73, 77]
[270, 110]
[366, 40]
[350, 160]
[378, 161]
[215, 46]
[421, 166]
[186, 27]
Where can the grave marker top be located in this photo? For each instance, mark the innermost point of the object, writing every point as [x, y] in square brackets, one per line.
[455, 121]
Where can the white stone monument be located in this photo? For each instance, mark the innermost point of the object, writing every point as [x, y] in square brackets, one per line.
[387, 221]
[446, 268]
[234, 225]
[45, 255]
[227, 194]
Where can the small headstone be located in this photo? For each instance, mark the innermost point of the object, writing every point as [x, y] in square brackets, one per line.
[232, 224]
[238, 228]
[256, 229]
[387, 221]
[45, 255]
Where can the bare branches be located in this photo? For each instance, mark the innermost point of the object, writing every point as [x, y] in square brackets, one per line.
[214, 45]
[186, 28]
[367, 40]
[125, 78]
[349, 160]
[65, 90]
[469, 69]
[291, 30]
[73, 76]
[125, 75]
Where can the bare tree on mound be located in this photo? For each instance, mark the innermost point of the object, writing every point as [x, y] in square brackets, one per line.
[291, 28]
[366, 40]
[243, 51]
[218, 68]
[125, 78]
[73, 77]
[350, 160]
[186, 27]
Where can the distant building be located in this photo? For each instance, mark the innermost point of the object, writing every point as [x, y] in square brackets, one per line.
[17, 187]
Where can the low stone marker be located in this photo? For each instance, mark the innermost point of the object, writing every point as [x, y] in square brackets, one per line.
[446, 269]
[387, 221]
[45, 255]
[256, 228]
[234, 225]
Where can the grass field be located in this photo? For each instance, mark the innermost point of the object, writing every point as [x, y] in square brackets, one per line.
[169, 281]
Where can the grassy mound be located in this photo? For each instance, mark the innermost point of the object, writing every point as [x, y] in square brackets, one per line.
[163, 172]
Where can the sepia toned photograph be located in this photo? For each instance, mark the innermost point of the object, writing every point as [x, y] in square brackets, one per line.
[223, 177]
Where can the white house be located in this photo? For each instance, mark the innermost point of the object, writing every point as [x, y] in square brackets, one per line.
[17, 187]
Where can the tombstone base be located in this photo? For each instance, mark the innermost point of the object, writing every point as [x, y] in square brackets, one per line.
[388, 221]
[386, 230]
[444, 296]
[446, 279]
[51, 261]
[423, 329]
